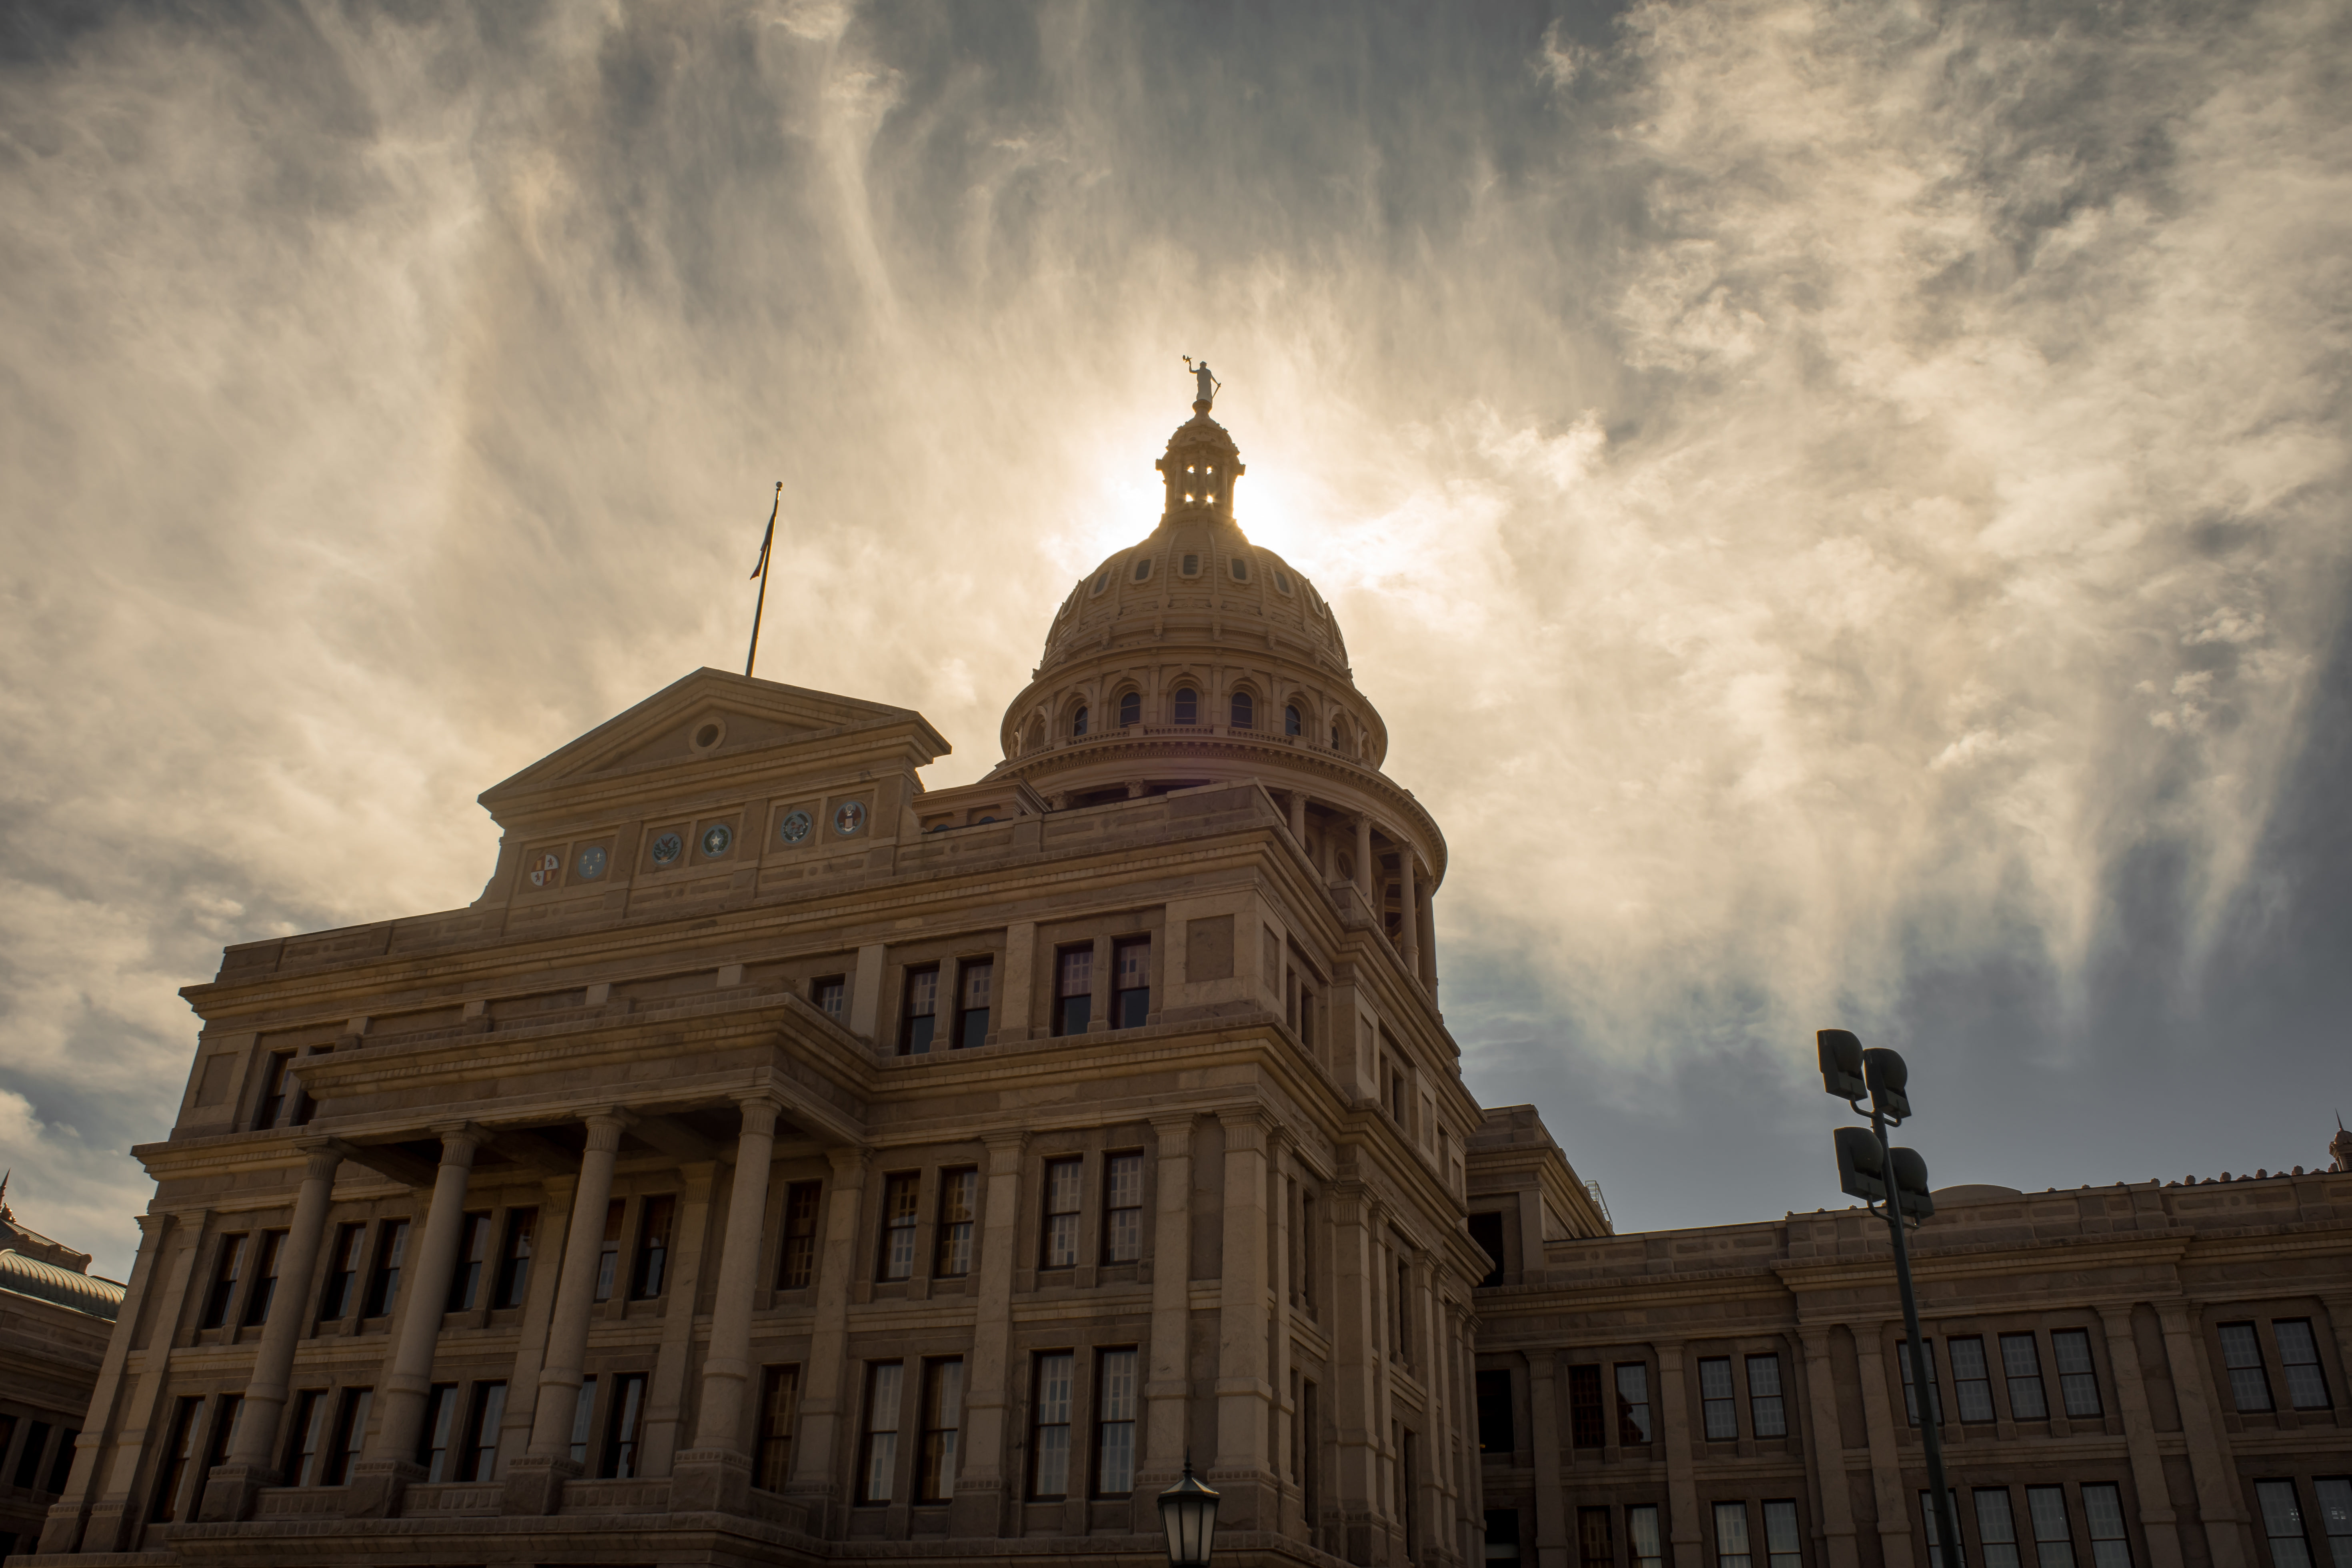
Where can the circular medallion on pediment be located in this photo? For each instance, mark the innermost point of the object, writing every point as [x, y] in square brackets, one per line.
[715, 840]
[591, 864]
[795, 826]
[546, 872]
[668, 849]
[849, 818]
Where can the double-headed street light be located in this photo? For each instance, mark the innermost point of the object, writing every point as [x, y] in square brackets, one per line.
[1893, 1182]
[1187, 1512]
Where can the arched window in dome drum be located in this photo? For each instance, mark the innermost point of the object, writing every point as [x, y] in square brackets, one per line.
[1130, 708]
[1290, 719]
[1244, 710]
[1142, 567]
[1078, 722]
[1191, 566]
[1241, 570]
[1335, 736]
[1188, 705]
[1102, 579]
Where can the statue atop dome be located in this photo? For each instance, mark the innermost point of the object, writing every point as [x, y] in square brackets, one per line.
[1205, 386]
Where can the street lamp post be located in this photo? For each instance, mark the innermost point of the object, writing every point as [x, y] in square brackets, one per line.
[1894, 1182]
[1187, 1512]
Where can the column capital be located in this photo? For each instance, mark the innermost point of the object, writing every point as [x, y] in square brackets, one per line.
[761, 1107]
[849, 1162]
[605, 1127]
[320, 1160]
[459, 1140]
[1174, 1124]
[1245, 1127]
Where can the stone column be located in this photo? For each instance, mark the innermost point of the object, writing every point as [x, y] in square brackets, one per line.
[1281, 1288]
[977, 1509]
[1821, 1416]
[1425, 959]
[1365, 871]
[1016, 986]
[378, 1480]
[2210, 1459]
[820, 1454]
[1298, 818]
[1674, 1434]
[715, 1472]
[535, 1481]
[62, 1530]
[2158, 1522]
[1169, 1380]
[681, 1293]
[1886, 1463]
[229, 1490]
[538, 1308]
[1543, 1414]
[1408, 910]
[1355, 1348]
[1244, 1394]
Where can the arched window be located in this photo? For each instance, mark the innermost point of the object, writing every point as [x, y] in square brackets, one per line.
[1188, 705]
[1336, 742]
[1078, 722]
[1191, 566]
[1142, 567]
[1290, 719]
[1240, 568]
[1244, 711]
[1131, 708]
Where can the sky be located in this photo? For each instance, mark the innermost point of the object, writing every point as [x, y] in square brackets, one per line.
[1842, 505]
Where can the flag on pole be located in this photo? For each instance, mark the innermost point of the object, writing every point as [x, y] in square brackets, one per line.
[767, 541]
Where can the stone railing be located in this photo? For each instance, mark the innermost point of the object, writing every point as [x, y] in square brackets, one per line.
[441, 1498]
[302, 1502]
[647, 1495]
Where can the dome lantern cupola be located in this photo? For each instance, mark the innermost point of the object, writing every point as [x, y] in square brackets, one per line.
[1201, 462]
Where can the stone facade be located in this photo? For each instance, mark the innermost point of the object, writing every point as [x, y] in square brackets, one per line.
[56, 1317]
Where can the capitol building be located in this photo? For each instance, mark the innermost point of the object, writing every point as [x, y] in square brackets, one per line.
[781, 1161]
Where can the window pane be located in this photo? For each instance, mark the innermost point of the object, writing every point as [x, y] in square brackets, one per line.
[1766, 1414]
[2103, 1512]
[2078, 1383]
[2053, 1544]
[1495, 1433]
[1115, 1427]
[1731, 1535]
[1996, 1525]
[1641, 1535]
[900, 1194]
[2243, 1354]
[1633, 1403]
[1722, 1425]
[2335, 1496]
[1049, 1467]
[2020, 1361]
[779, 1388]
[1122, 1208]
[2307, 1385]
[879, 1469]
[959, 1195]
[942, 1420]
[1910, 1394]
[2283, 1523]
[1061, 1229]
[1780, 1534]
[1935, 1530]
[1972, 1389]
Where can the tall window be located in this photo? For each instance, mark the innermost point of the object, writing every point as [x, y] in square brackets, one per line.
[1722, 1416]
[829, 995]
[473, 1258]
[652, 1272]
[2250, 1387]
[440, 1427]
[1078, 722]
[958, 1197]
[1404, 1298]
[796, 1260]
[1115, 1423]
[226, 1267]
[608, 1255]
[1633, 1402]
[1971, 1385]
[901, 1194]
[61, 1467]
[1502, 1535]
[2282, 1523]
[1584, 1421]
[2103, 1515]
[1731, 1536]
[1780, 1547]
[942, 1418]
[877, 1458]
[274, 1085]
[2306, 1385]
[780, 1389]
[265, 1278]
[978, 982]
[1594, 1549]
[1049, 1436]
[480, 1449]
[384, 1284]
[2334, 1494]
[308, 1441]
[28, 1462]
[1074, 990]
[514, 1258]
[1936, 1558]
[915, 1029]
[1496, 1428]
[336, 1301]
[584, 1420]
[179, 1460]
[1996, 1525]
[1122, 1207]
[1767, 1415]
[1911, 1394]
[1290, 719]
[1188, 703]
[1060, 1235]
[2078, 1383]
[1641, 1535]
[1131, 708]
[344, 1438]
[1130, 1002]
[1244, 710]
[2054, 1542]
[623, 1427]
[2021, 1363]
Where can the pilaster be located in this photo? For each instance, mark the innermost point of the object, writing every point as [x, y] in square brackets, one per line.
[983, 1487]
[1245, 1396]
[2159, 1523]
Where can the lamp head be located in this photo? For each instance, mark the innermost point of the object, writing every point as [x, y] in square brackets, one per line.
[1861, 1164]
[1884, 1072]
[1841, 1063]
[1187, 1512]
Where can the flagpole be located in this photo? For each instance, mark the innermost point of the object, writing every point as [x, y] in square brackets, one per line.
[760, 572]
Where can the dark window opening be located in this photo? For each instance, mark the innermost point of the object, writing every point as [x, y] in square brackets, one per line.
[1188, 702]
[514, 1258]
[796, 1261]
[976, 985]
[1585, 1428]
[624, 1429]
[1074, 990]
[384, 1284]
[1495, 1432]
[1131, 708]
[915, 1028]
[1487, 1230]
[1130, 1002]
[653, 1248]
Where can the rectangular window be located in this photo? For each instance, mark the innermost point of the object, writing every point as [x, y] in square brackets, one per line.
[1780, 1547]
[2021, 1363]
[900, 1193]
[942, 1419]
[1403, 1312]
[1971, 1383]
[1585, 1429]
[2078, 1382]
[1641, 1535]
[1060, 1233]
[1593, 1547]
[977, 988]
[2103, 1514]
[440, 1427]
[514, 1258]
[1074, 990]
[608, 1255]
[2054, 1542]
[1731, 1535]
[779, 1388]
[36, 1437]
[226, 1267]
[1911, 1394]
[2306, 1385]
[1115, 1423]
[2242, 1353]
[1130, 1001]
[796, 1259]
[623, 1427]
[274, 1085]
[307, 1440]
[921, 1017]
[1722, 1417]
[1633, 1403]
[1767, 1414]
[1049, 1434]
[2335, 1495]
[345, 1439]
[1996, 1524]
[653, 1248]
[265, 1278]
[473, 1258]
[878, 1459]
[1487, 1230]
[62, 1471]
[959, 1198]
[1495, 1433]
[1935, 1530]
[342, 1273]
[383, 1281]
[179, 1458]
[480, 1449]
[1502, 1535]
[1123, 1212]
[583, 1421]
[829, 995]
[2282, 1523]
